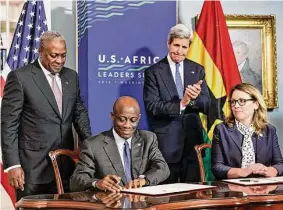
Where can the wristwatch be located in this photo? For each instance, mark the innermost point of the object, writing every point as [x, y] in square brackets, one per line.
[191, 103]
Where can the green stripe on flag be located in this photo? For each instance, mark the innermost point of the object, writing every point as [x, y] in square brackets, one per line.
[207, 159]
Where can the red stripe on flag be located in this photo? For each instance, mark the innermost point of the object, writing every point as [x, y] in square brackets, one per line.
[5, 183]
[212, 29]
[2, 85]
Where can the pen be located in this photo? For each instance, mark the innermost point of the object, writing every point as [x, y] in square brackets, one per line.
[248, 180]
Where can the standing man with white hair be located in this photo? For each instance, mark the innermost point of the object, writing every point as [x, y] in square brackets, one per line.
[175, 92]
[41, 102]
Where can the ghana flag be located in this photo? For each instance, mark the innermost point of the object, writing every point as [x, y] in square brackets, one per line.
[211, 47]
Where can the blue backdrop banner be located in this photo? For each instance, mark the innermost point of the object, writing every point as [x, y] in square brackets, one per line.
[117, 41]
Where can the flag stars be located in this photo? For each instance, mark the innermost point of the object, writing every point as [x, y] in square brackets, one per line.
[25, 60]
[26, 48]
[38, 27]
[18, 35]
[35, 50]
[29, 37]
[37, 39]
[33, 2]
[17, 46]
[15, 58]
[31, 14]
[21, 23]
[23, 12]
[45, 22]
[30, 26]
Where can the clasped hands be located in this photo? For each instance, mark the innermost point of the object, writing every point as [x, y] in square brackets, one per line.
[258, 169]
[191, 93]
[112, 183]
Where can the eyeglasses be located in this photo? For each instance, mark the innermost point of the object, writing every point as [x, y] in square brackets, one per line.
[241, 101]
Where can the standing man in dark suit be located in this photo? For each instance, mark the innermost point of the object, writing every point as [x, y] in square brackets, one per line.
[175, 92]
[41, 102]
[121, 156]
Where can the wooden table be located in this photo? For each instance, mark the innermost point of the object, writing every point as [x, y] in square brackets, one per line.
[224, 196]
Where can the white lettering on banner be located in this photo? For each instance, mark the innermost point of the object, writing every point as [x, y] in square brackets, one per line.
[123, 69]
[138, 60]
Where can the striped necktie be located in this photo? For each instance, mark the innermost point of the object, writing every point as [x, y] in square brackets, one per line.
[178, 81]
[127, 162]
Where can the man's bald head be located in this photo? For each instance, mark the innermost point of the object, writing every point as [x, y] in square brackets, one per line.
[126, 101]
[125, 116]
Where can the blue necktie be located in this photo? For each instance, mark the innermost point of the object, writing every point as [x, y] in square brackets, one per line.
[127, 161]
[179, 85]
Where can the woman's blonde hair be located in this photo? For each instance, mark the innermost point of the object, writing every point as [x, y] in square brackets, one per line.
[260, 115]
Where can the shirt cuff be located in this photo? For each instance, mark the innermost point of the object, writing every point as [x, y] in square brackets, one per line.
[94, 183]
[15, 166]
[182, 108]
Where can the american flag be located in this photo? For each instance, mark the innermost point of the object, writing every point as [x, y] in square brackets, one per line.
[24, 49]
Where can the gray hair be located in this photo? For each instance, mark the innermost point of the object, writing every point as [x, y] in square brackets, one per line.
[47, 37]
[243, 46]
[179, 31]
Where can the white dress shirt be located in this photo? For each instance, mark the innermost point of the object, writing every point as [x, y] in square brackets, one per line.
[120, 145]
[172, 65]
[49, 78]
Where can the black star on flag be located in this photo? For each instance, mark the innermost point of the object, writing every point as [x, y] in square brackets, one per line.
[215, 109]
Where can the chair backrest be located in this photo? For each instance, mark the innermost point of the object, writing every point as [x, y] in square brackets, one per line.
[198, 149]
[74, 155]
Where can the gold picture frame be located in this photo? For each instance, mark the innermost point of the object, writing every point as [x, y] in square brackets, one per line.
[265, 26]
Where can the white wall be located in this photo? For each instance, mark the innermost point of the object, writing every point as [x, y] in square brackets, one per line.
[63, 20]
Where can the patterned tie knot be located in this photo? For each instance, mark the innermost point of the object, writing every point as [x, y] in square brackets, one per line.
[177, 65]
[126, 144]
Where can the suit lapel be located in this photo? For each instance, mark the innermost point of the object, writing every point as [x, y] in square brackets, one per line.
[112, 152]
[65, 84]
[167, 78]
[136, 154]
[42, 83]
[189, 74]
[236, 136]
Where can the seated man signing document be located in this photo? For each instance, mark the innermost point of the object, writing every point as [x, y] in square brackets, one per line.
[121, 156]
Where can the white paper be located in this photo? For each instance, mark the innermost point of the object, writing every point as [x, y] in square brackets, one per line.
[277, 178]
[252, 181]
[168, 188]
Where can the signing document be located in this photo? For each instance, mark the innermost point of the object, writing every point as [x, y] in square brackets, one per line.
[255, 181]
[168, 189]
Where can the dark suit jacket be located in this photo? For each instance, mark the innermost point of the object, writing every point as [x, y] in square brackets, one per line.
[162, 105]
[99, 157]
[227, 153]
[32, 125]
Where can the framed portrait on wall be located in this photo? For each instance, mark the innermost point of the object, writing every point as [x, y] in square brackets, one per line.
[254, 43]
